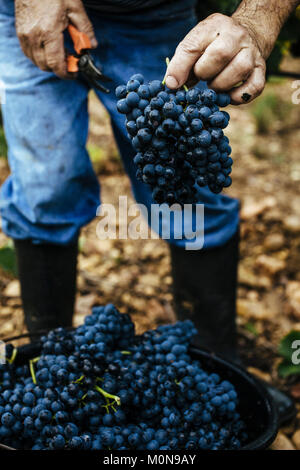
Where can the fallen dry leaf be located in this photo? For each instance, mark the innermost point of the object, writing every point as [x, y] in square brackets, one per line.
[270, 264]
[295, 391]
[293, 296]
[282, 442]
[12, 289]
[251, 208]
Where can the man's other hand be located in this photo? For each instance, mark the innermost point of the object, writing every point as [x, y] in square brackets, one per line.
[223, 52]
[40, 25]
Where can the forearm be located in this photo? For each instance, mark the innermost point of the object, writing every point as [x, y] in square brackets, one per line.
[265, 19]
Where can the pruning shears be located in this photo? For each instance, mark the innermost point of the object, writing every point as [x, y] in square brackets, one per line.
[82, 61]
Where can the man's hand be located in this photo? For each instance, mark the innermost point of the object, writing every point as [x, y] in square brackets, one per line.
[223, 52]
[40, 25]
[226, 51]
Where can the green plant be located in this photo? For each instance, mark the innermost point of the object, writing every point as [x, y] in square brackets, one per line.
[251, 328]
[3, 144]
[8, 262]
[100, 156]
[289, 351]
[266, 108]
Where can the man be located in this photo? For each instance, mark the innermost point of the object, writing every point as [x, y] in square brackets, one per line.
[52, 191]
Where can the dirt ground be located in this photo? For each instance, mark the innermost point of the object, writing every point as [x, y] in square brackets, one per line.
[135, 275]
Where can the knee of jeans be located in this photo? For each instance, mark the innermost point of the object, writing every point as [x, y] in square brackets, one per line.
[60, 198]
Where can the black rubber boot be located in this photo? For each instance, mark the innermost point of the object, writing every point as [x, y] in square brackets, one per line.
[204, 285]
[47, 276]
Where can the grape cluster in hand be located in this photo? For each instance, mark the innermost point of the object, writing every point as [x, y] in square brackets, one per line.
[179, 138]
[102, 387]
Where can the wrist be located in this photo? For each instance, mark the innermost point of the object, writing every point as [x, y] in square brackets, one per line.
[257, 31]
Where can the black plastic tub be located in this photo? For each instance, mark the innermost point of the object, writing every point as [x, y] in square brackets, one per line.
[255, 404]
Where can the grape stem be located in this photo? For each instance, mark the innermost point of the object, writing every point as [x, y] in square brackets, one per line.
[167, 62]
[107, 405]
[13, 356]
[108, 395]
[79, 380]
[35, 359]
[32, 372]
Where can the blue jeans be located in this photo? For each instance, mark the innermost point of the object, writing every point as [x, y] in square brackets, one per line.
[52, 190]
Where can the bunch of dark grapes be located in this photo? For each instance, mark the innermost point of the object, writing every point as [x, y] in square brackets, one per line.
[179, 138]
[102, 387]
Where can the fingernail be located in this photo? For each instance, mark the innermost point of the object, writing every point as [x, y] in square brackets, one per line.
[246, 97]
[171, 82]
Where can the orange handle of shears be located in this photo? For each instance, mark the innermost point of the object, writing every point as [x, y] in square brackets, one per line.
[81, 42]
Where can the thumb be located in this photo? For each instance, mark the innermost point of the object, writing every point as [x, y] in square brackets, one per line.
[81, 21]
[186, 55]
